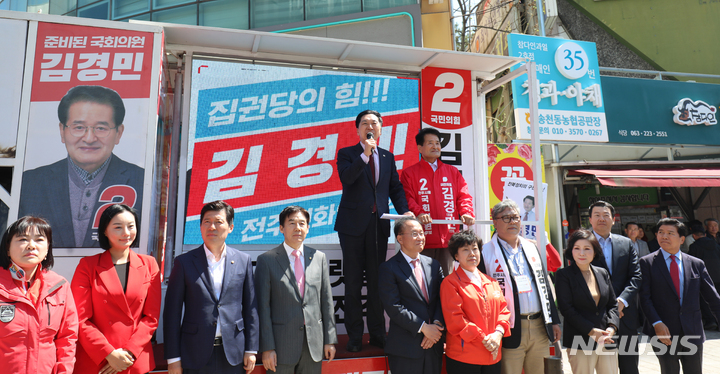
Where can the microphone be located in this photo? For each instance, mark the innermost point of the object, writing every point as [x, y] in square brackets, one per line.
[370, 136]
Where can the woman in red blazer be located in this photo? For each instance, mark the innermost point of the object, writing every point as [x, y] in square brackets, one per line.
[117, 294]
[475, 311]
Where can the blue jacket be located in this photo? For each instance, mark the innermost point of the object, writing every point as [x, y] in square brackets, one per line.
[190, 336]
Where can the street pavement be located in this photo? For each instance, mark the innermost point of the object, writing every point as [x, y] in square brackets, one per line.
[649, 364]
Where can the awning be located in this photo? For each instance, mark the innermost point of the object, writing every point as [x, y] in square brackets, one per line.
[654, 177]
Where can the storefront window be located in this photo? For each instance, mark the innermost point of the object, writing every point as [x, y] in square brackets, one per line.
[166, 3]
[124, 8]
[186, 15]
[98, 11]
[62, 6]
[275, 12]
[230, 14]
[384, 4]
[328, 8]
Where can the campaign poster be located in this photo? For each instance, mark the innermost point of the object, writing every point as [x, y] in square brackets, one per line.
[262, 137]
[90, 106]
[522, 192]
[447, 106]
[10, 92]
[510, 162]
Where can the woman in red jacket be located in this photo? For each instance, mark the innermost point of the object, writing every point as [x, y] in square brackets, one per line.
[117, 293]
[475, 311]
[38, 321]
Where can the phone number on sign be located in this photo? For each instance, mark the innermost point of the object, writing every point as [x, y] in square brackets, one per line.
[644, 133]
[562, 131]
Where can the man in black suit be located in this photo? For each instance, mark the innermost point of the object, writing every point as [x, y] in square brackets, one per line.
[218, 333]
[72, 193]
[670, 298]
[620, 259]
[410, 294]
[706, 249]
[369, 177]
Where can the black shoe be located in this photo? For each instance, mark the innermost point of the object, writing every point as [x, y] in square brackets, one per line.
[711, 326]
[354, 346]
[378, 341]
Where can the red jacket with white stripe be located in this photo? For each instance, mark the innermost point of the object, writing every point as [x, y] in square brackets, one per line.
[443, 194]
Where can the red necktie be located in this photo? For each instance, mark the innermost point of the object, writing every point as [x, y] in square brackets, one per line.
[526, 214]
[419, 278]
[675, 274]
[371, 162]
[299, 273]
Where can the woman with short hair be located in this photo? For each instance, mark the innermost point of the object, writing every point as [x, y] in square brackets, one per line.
[475, 311]
[38, 320]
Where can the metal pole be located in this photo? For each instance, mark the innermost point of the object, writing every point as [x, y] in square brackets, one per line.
[537, 160]
[541, 21]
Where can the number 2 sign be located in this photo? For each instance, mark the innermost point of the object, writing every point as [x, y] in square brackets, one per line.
[446, 98]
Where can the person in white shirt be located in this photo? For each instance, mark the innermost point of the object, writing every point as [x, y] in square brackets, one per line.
[219, 329]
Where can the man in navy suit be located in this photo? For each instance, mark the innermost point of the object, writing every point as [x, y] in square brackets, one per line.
[410, 294]
[219, 331]
[620, 258]
[369, 177]
[667, 274]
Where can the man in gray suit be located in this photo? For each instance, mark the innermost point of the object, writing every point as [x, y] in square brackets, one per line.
[297, 321]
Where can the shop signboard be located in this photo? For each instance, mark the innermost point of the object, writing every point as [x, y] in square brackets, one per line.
[649, 111]
[618, 196]
[571, 106]
[263, 137]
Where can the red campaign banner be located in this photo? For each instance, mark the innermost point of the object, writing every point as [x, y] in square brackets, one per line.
[446, 98]
[69, 55]
[291, 164]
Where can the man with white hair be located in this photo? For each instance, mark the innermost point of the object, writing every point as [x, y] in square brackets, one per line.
[516, 264]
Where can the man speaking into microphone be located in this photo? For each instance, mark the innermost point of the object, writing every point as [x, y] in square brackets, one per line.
[369, 178]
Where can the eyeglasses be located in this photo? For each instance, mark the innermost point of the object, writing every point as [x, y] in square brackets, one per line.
[508, 219]
[100, 131]
[415, 234]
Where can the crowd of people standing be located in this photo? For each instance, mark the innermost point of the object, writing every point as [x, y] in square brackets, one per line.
[483, 307]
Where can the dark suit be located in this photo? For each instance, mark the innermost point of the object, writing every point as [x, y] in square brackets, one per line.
[288, 320]
[363, 235]
[578, 307]
[190, 336]
[659, 301]
[405, 304]
[626, 278]
[46, 193]
[707, 250]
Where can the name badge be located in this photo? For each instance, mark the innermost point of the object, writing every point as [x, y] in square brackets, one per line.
[523, 283]
[7, 313]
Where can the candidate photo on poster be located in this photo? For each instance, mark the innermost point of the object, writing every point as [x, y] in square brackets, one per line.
[96, 160]
[521, 191]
